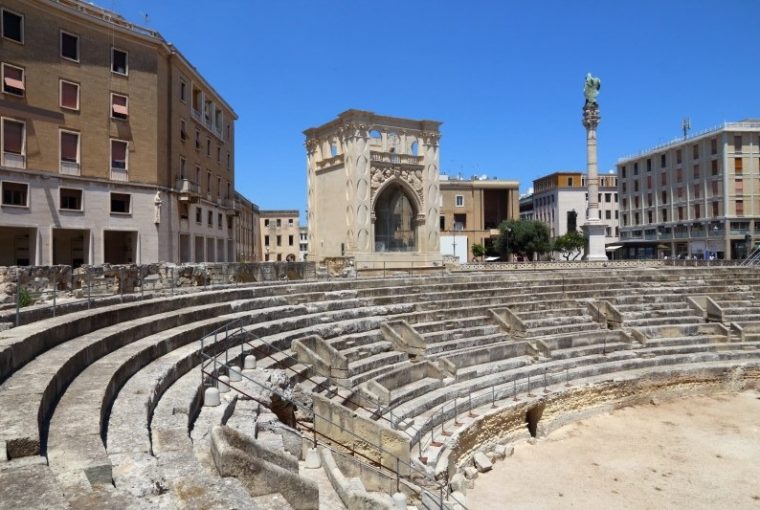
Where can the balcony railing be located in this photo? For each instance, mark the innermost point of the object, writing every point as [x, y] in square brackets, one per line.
[119, 174]
[70, 168]
[14, 160]
[231, 203]
[329, 162]
[395, 159]
[186, 186]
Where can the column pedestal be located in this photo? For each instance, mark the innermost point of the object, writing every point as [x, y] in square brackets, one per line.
[595, 236]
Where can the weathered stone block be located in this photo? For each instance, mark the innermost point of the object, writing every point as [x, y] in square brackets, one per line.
[482, 464]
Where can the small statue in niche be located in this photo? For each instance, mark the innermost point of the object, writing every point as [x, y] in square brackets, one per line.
[157, 202]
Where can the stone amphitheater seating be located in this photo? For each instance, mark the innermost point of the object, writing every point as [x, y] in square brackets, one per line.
[104, 407]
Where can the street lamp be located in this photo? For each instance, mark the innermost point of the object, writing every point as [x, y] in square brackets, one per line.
[508, 231]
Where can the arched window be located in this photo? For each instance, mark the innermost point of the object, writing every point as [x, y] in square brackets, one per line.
[395, 228]
[333, 150]
[415, 148]
[374, 133]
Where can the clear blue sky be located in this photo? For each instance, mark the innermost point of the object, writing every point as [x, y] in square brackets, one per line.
[505, 78]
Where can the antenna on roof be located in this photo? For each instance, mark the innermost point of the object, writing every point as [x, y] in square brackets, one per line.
[146, 18]
[686, 126]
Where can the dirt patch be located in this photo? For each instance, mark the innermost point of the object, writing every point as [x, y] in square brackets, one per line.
[697, 453]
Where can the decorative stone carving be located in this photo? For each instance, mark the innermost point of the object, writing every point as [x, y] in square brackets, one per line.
[412, 177]
[157, 202]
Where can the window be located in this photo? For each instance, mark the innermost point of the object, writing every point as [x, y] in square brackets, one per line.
[664, 198]
[266, 222]
[695, 151]
[15, 194]
[279, 240]
[121, 203]
[714, 167]
[228, 162]
[738, 165]
[649, 164]
[739, 187]
[69, 46]
[218, 154]
[617, 214]
[649, 200]
[715, 209]
[13, 26]
[182, 130]
[119, 155]
[182, 168]
[664, 215]
[266, 240]
[459, 201]
[198, 215]
[635, 169]
[635, 186]
[290, 240]
[679, 192]
[680, 213]
[69, 150]
[219, 220]
[713, 146]
[290, 222]
[119, 108]
[715, 188]
[740, 207]
[608, 197]
[71, 199]
[678, 157]
[663, 160]
[679, 175]
[442, 222]
[608, 214]
[210, 218]
[622, 171]
[649, 217]
[696, 191]
[219, 187]
[183, 91]
[649, 181]
[208, 183]
[624, 188]
[738, 143]
[119, 61]
[696, 171]
[208, 148]
[198, 177]
[279, 222]
[637, 219]
[663, 179]
[569, 182]
[13, 80]
[69, 92]
[197, 140]
[14, 143]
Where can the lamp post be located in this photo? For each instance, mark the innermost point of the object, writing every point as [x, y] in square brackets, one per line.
[508, 231]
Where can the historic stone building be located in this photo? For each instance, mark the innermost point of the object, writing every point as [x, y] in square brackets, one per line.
[280, 235]
[114, 148]
[471, 212]
[373, 189]
[695, 197]
[247, 238]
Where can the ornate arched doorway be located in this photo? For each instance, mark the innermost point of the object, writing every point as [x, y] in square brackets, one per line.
[395, 220]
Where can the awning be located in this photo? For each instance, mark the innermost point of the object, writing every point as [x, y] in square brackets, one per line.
[13, 82]
[120, 109]
[613, 247]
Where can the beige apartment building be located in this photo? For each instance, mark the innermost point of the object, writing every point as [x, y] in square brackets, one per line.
[114, 149]
[280, 235]
[697, 197]
[560, 200]
[373, 189]
[471, 212]
[247, 238]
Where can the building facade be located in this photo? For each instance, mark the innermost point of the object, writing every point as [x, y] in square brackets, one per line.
[248, 227]
[373, 190]
[471, 212]
[560, 200]
[303, 246]
[280, 235]
[697, 197]
[114, 149]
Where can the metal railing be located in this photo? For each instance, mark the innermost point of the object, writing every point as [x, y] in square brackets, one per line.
[67, 290]
[212, 367]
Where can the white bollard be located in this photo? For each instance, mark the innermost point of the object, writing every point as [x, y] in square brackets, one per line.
[250, 362]
[224, 384]
[235, 375]
[313, 460]
[211, 397]
[399, 501]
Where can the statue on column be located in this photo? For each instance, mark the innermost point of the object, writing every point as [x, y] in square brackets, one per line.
[157, 202]
[591, 88]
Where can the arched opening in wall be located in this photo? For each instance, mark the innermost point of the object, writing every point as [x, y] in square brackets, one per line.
[395, 228]
[333, 150]
[415, 149]
[532, 417]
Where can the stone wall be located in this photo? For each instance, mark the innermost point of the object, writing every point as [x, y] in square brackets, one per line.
[108, 279]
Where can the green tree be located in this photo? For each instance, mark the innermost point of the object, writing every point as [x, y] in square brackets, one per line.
[478, 250]
[570, 244]
[524, 238]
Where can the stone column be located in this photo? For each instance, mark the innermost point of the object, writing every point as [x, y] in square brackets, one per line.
[593, 229]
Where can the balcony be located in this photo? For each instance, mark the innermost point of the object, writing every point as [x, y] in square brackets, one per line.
[330, 162]
[392, 158]
[188, 191]
[232, 205]
[69, 168]
[119, 174]
[14, 160]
